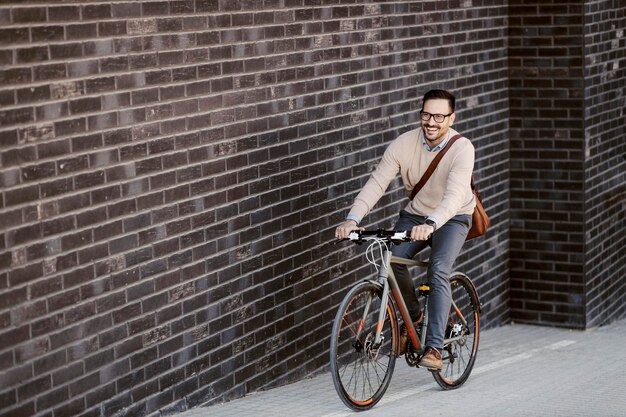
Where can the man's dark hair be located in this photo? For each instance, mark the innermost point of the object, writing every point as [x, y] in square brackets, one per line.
[441, 94]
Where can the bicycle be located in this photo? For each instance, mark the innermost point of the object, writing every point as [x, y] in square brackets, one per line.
[364, 343]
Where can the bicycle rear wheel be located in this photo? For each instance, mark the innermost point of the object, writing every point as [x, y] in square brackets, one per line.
[462, 334]
[360, 369]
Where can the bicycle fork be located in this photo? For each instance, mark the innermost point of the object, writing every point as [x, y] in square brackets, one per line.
[384, 299]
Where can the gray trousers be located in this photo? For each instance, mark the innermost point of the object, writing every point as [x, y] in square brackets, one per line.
[446, 244]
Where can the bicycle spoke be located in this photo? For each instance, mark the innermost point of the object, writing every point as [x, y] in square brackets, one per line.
[354, 332]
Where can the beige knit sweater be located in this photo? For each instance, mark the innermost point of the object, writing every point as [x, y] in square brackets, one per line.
[447, 192]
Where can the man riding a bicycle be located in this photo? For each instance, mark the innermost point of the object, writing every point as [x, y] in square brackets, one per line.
[439, 215]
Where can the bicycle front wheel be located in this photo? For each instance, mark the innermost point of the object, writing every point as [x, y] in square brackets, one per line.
[462, 331]
[361, 368]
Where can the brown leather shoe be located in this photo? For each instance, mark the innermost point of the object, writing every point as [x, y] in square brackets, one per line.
[431, 359]
[404, 334]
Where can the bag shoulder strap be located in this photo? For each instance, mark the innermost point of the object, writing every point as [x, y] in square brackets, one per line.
[433, 165]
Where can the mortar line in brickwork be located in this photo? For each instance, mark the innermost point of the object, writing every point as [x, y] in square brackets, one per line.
[124, 289]
[165, 290]
[138, 231]
[287, 98]
[222, 157]
[216, 142]
[355, 59]
[230, 60]
[213, 14]
[269, 40]
[226, 156]
[121, 290]
[355, 20]
[190, 182]
[338, 90]
[134, 232]
[199, 95]
[225, 92]
[149, 123]
[178, 235]
[240, 245]
[128, 355]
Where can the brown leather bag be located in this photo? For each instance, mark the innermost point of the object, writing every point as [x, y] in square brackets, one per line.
[480, 220]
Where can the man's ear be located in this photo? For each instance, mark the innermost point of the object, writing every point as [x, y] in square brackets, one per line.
[452, 118]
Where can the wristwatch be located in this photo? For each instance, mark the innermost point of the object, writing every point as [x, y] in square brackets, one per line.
[431, 223]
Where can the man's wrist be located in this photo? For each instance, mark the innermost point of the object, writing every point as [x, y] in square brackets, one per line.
[431, 223]
[353, 218]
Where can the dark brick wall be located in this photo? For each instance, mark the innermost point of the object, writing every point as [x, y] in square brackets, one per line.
[171, 173]
[568, 85]
[547, 162]
[605, 161]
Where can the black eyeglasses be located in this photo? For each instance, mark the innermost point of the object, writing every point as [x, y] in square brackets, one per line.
[439, 118]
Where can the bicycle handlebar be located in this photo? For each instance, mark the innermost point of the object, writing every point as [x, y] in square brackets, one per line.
[394, 236]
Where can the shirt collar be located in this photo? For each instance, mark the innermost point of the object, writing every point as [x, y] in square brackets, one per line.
[438, 147]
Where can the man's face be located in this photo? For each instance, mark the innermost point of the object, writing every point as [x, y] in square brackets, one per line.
[436, 131]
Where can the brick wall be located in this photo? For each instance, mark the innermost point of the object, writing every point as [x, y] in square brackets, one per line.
[547, 162]
[171, 173]
[605, 163]
[567, 161]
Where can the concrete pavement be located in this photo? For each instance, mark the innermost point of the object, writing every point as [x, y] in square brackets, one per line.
[520, 370]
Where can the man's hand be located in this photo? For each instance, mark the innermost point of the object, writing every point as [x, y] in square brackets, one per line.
[344, 229]
[421, 232]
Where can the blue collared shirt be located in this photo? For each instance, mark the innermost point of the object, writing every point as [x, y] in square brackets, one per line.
[438, 147]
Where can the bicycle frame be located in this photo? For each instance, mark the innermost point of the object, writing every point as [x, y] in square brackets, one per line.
[389, 283]
[418, 344]
[388, 280]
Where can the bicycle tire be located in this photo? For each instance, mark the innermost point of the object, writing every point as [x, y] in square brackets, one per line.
[361, 372]
[459, 355]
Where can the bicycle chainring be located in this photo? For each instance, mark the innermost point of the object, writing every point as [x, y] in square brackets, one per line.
[410, 356]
